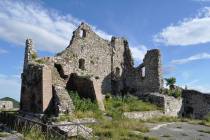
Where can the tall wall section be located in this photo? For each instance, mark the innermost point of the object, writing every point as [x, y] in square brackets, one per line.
[88, 55]
[36, 89]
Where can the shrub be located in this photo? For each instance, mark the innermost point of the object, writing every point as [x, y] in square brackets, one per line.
[34, 55]
[175, 92]
[40, 61]
[83, 104]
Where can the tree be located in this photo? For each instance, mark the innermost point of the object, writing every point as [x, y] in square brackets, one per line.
[171, 82]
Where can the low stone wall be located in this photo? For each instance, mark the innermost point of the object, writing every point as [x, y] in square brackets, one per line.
[145, 115]
[172, 106]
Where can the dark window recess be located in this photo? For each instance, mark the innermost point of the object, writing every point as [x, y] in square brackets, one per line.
[82, 64]
[60, 71]
[117, 71]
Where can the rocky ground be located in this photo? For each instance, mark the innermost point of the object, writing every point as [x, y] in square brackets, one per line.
[179, 131]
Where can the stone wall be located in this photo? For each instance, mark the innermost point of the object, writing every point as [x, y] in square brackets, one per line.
[196, 104]
[150, 73]
[171, 106]
[36, 89]
[6, 105]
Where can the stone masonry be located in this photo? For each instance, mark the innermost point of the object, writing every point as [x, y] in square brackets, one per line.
[91, 66]
[195, 104]
[6, 105]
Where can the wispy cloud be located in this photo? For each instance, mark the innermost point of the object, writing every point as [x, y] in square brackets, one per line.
[3, 51]
[50, 30]
[169, 69]
[190, 31]
[138, 52]
[191, 58]
[202, 0]
[195, 84]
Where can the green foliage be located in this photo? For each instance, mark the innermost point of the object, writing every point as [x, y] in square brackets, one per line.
[40, 61]
[113, 125]
[34, 55]
[115, 106]
[204, 131]
[83, 104]
[170, 81]
[164, 119]
[33, 134]
[177, 92]
[4, 134]
[16, 104]
[121, 129]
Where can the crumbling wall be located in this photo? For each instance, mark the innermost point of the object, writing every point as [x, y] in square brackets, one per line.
[117, 65]
[147, 77]
[196, 104]
[88, 55]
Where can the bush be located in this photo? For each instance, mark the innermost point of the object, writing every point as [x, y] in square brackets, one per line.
[177, 92]
[83, 104]
[34, 55]
[40, 61]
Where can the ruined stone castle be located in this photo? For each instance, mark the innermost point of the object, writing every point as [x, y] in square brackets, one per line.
[89, 65]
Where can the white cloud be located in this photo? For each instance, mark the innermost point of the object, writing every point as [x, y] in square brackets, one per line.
[189, 31]
[50, 30]
[169, 69]
[3, 51]
[10, 86]
[202, 0]
[191, 58]
[138, 52]
[195, 85]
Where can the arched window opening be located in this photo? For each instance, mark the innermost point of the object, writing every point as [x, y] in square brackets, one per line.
[82, 33]
[143, 72]
[82, 64]
[117, 70]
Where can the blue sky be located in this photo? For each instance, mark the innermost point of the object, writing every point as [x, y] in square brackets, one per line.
[179, 28]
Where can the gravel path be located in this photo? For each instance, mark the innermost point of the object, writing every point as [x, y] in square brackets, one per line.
[179, 131]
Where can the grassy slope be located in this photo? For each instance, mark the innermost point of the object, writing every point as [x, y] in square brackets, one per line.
[117, 127]
[16, 104]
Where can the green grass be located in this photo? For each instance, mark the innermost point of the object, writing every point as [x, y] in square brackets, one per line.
[205, 131]
[118, 127]
[33, 134]
[3, 134]
[115, 106]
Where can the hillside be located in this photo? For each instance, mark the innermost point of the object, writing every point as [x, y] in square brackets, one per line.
[16, 104]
